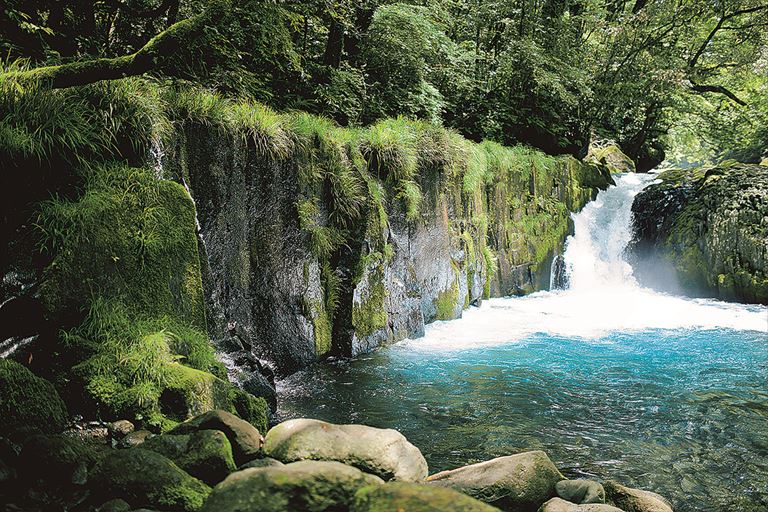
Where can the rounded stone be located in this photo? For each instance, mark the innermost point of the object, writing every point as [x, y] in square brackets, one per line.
[309, 486]
[412, 497]
[521, 482]
[580, 491]
[382, 452]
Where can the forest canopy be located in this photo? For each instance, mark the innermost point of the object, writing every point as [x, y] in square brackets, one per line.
[686, 77]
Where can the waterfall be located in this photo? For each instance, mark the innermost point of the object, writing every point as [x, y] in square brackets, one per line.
[594, 291]
[594, 256]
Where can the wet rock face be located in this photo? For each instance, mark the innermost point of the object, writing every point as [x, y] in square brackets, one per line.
[267, 291]
[703, 232]
[258, 273]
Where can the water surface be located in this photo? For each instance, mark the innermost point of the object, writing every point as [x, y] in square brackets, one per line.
[612, 380]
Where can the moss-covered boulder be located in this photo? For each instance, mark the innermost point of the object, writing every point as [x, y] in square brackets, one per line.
[205, 454]
[611, 156]
[561, 505]
[383, 452]
[145, 478]
[703, 232]
[58, 460]
[190, 392]
[245, 439]
[411, 497]
[521, 482]
[635, 500]
[310, 486]
[28, 400]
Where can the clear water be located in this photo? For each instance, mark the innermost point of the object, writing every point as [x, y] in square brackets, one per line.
[610, 379]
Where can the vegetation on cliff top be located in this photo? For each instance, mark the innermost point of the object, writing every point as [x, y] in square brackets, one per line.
[543, 73]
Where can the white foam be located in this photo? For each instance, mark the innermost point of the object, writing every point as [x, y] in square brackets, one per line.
[603, 297]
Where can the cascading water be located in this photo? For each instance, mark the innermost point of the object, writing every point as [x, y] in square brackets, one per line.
[612, 380]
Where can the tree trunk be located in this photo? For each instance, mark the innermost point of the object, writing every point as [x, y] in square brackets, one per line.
[151, 57]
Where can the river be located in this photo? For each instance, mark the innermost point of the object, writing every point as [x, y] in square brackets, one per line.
[611, 379]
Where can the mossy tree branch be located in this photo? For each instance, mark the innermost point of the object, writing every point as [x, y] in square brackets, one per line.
[150, 57]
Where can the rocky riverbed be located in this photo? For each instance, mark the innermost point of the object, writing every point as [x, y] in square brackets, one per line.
[218, 462]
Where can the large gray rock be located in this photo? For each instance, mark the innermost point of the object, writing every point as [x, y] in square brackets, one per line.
[580, 491]
[245, 439]
[309, 486]
[410, 497]
[383, 452]
[635, 500]
[521, 482]
[560, 505]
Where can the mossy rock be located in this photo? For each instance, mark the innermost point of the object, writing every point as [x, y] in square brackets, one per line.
[28, 400]
[410, 497]
[245, 439]
[145, 478]
[635, 500]
[205, 454]
[703, 231]
[192, 392]
[309, 486]
[521, 482]
[612, 157]
[58, 460]
[382, 452]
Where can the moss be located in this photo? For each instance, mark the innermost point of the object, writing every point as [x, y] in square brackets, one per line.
[147, 479]
[446, 301]
[413, 497]
[368, 314]
[205, 454]
[28, 400]
[322, 330]
[612, 157]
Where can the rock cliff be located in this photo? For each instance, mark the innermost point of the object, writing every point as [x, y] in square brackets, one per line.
[705, 232]
[319, 240]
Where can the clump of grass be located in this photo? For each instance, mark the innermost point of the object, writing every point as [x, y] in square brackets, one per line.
[135, 358]
[390, 147]
[267, 129]
[204, 106]
[410, 193]
[324, 240]
[331, 283]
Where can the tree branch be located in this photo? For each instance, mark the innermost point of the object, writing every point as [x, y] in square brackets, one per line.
[149, 58]
[717, 28]
[718, 89]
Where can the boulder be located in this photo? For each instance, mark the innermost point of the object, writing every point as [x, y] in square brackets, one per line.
[702, 232]
[580, 491]
[635, 500]
[205, 454]
[309, 486]
[560, 505]
[116, 505]
[133, 439]
[57, 460]
[521, 482]
[411, 497]
[382, 452]
[26, 399]
[246, 441]
[120, 428]
[610, 155]
[147, 479]
[261, 463]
